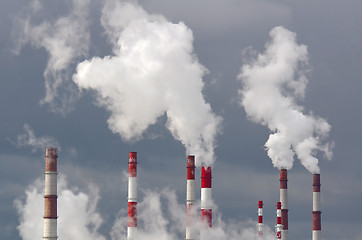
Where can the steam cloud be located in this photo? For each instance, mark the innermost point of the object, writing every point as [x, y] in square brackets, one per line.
[78, 218]
[160, 217]
[29, 139]
[65, 40]
[272, 84]
[152, 72]
[167, 221]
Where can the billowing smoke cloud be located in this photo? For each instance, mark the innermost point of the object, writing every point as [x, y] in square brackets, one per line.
[153, 72]
[78, 216]
[272, 84]
[29, 139]
[66, 39]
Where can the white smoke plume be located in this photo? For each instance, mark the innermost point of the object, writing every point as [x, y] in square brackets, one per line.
[65, 39]
[78, 218]
[153, 72]
[152, 222]
[29, 139]
[161, 217]
[273, 82]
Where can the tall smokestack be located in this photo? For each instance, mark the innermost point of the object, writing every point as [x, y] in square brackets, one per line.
[284, 202]
[317, 234]
[279, 226]
[50, 194]
[190, 199]
[132, 197]
[206, 197]
[260, 220]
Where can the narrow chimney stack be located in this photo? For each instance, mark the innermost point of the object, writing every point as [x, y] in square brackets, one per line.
[206, 197]
[132, 197]
[284, 202]
[279, 226]
[50, 195]
[190, 199]
[260, 220]
[317, 234]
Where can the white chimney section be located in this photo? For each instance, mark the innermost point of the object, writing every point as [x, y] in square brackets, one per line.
[50, 194]
[317, 234]
[284, 202]
[132, 197]
[190, 199]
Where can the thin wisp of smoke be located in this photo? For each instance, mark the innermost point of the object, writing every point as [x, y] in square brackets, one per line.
[65, 39]
[272, 83]
[29, 139]
[153, 72]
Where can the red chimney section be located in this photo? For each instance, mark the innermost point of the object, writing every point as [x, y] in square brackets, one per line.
[284, 201]
[132, 196]
[206, 197]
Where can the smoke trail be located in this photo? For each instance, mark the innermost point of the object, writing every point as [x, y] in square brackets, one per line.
[36, 143]
[272, 84]
[152, 72]
[78, 219]
[65, 40]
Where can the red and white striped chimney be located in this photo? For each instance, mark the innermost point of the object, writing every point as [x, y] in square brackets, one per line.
[284, 202]
[260, 220]
[279, 226]
[132, 197]
[50, 194]
[206, 197]
[317, 234]
[190, 199]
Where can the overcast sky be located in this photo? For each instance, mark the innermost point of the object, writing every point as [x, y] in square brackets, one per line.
[45, 100]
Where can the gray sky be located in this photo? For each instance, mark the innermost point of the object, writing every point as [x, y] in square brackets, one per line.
[243, 174]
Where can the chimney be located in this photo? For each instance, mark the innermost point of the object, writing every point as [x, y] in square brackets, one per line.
[206, 197]
[284, 202]
[260, 220]
[132, 197]
[50, 194]
[317, 234]
[190, 199]
[278, 227]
